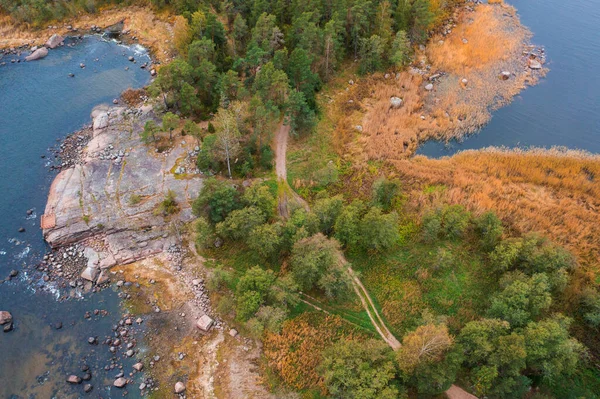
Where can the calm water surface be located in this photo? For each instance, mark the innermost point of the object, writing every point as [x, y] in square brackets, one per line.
[40, 104]
[564, 109]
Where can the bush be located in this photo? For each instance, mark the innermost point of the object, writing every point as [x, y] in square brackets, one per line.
[217, 199]
[169, 205]
[347, 225]
[489, 228]
[204, 233]
[134, 199]
[219, 280]
[379, 231]
[240, 222]
[385, 193]
[265, 239]
[359, 370]
[317, 262]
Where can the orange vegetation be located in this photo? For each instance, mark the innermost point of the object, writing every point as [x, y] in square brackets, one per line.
[152, 31]
[296, 352]
[552, 192]
[464, 69]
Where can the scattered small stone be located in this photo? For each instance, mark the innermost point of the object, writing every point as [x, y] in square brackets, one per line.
[429, 86]
[73, 379]
[395, 103]
[138, 366]
[88, 388]
[21, 229]
[179, 387]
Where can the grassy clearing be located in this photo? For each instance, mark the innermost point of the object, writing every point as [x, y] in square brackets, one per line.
[404, 282]
[313, 160]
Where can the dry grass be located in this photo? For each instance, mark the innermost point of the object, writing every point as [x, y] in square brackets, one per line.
[152, 30]
[133, 97]
[495, 41]
[553, 192]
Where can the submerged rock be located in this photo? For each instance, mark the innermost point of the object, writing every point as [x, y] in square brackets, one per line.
[120, 382]
[5, 317]
[73, 379]
[37, 54]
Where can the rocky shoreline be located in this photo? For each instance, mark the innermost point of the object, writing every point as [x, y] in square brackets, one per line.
[102, 206]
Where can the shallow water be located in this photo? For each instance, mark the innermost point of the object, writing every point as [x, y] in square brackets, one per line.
[564, 109]
[39, 105]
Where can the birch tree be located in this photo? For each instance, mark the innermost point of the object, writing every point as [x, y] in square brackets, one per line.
[228, 136]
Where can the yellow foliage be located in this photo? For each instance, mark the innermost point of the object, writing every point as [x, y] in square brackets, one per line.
[427, 343]
[182, 35]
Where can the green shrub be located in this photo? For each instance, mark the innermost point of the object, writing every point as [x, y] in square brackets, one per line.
[169, 205]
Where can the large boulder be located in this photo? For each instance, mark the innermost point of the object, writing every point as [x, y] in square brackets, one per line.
[37, 54]
[205, 323]
[5, 317]
[54, 41]
[101, 121]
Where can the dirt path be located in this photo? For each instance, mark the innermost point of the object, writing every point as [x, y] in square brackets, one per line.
[369, 306]
[281, 139]
[286, 195]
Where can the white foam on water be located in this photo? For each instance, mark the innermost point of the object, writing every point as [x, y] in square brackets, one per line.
[23, 253]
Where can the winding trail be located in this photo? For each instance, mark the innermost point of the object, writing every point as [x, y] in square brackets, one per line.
[286, 194]
[281, 139]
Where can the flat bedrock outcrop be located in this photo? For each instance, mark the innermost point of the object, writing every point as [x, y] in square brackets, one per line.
[114, 192]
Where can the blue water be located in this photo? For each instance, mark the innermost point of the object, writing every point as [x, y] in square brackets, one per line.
[40, 104]
[564, 109]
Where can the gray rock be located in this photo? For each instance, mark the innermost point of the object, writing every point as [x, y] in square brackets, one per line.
[100, 121]
[179, 387]
[37, 54]
[204, 323]
[54, 41]
[90, 274]
[429, 86]
[138, 366]
[73, 379]
[88, 388]
[395, 102]
[534, 64]
[5, 317]
[120, 382]
[505, 75]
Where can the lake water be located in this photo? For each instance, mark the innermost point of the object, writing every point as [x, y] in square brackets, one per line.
[564, 109]
[39, 105]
